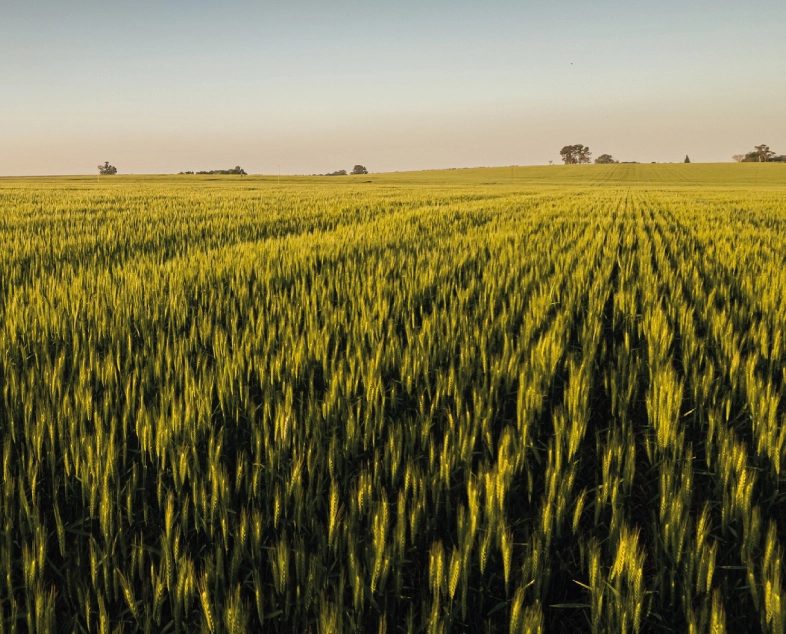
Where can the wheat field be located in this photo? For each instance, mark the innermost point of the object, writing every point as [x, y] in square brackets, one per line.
[545, 399]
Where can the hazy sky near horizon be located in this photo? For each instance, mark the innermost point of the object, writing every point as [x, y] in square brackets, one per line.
[170, 85]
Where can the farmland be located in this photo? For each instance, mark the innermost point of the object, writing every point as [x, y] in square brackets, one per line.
[500, 400]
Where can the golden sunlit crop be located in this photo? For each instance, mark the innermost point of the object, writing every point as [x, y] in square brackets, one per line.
[501, 400]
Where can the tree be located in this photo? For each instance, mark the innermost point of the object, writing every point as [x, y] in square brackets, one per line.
[687, 159]
[605, 159]
[738, 158]
[573, 154]
[106, 169]
[764, 153]
[359, 169]
[761, 154]
[568, 154]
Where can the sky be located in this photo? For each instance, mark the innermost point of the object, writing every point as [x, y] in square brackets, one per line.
[306, 86]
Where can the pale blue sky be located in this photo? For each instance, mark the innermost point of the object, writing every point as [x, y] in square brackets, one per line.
[171, 85]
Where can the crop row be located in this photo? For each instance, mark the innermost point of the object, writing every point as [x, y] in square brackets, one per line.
[398, 410]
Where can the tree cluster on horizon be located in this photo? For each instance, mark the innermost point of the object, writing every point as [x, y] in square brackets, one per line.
[235, 170]
[580, 154]
[358, 169]
[761, 154]
[575, 154]
[605, 159]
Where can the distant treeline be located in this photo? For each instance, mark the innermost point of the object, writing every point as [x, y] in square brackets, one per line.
[760, 154]
[752, 157]
[235, 170]
[358, 169]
